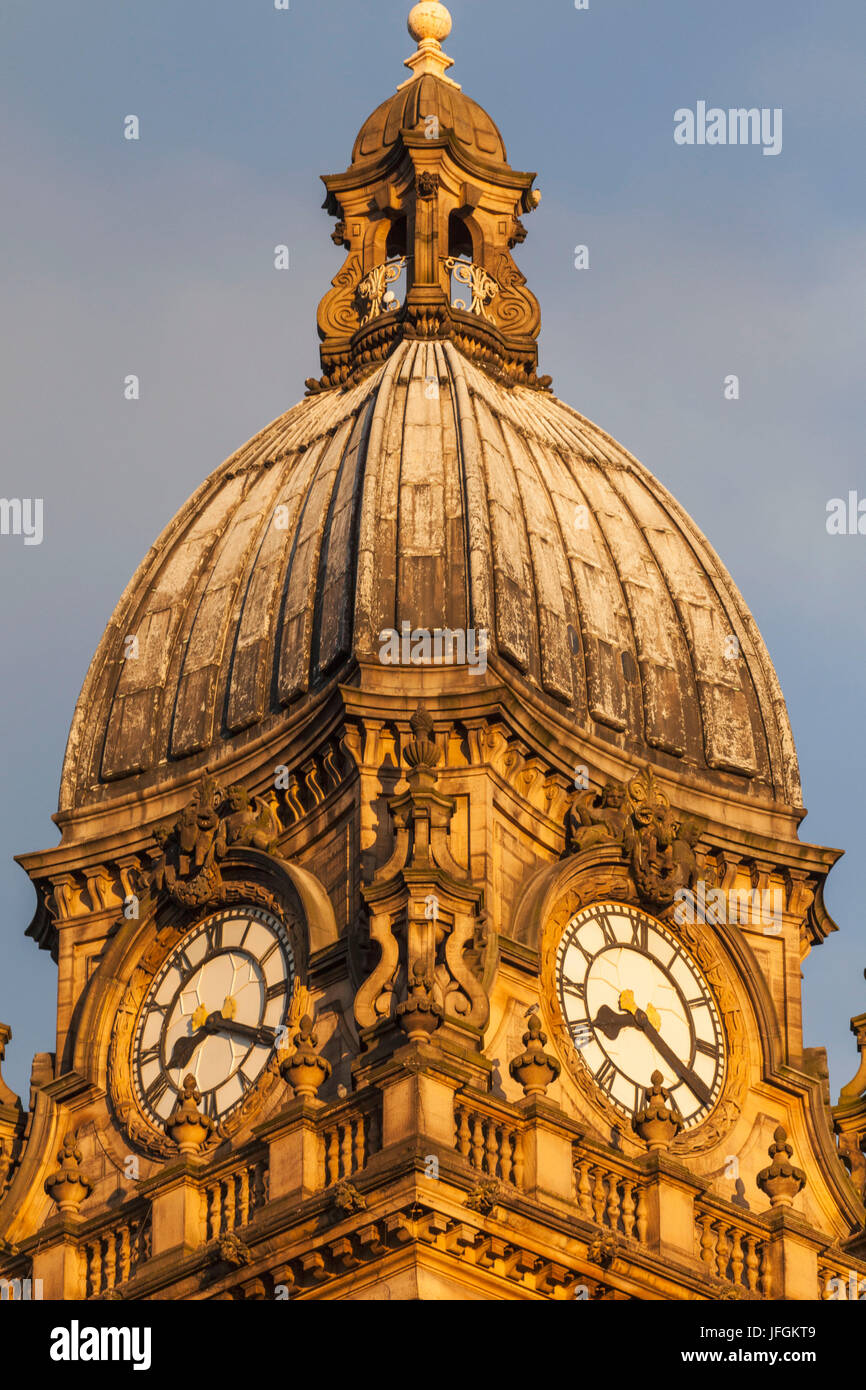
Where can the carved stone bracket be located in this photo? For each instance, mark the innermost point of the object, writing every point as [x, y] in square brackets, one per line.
[424, 913]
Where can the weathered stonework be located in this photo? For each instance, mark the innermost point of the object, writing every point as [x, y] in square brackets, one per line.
[424, 1126]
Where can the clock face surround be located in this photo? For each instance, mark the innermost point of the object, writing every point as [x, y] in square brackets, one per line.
[213, 1011]
[634, 1001]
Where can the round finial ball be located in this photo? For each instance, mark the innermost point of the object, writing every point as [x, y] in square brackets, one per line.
[429, 20]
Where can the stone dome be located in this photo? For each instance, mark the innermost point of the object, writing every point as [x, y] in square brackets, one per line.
[467, 505]
[406, 112]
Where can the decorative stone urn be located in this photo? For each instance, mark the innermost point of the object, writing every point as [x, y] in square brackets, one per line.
[304, 1069]
[421, 752]
[68, 1186]
[419, 1015]
[781, 1181]
[659, 1122]
[534, 1069]
[189, 1129]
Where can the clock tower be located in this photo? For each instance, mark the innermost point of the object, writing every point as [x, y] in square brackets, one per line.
[429, 908]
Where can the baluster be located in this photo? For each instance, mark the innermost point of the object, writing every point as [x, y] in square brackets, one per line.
[584, 1192]
[492, 1148]
[765, 1283]
[463, 1135]
[642, 1215]
[477, 1142]
[598, 1196]
[346, 1149]
[612, 1215]
[110, 1259]
[215, 1212]
[95, 1252]
[333, 1156]
[145, 1241]
[505, 1156]
[518, 1159]
[360, 1143]
[737, 1258]
[125, 1254]
[628, 1207]
[244, 1197]
[229, 1203]
[723, 1250]
[708, 1243]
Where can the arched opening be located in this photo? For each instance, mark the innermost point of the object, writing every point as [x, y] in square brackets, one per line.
[459, 238]
[396, 243]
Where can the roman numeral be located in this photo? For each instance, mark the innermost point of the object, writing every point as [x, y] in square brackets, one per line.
[699, 1003]
[184, 964]
[268, 953]
[151, 1055]
[214, 934]
[708, 1049]
[156, 1090]
[572, 987]
[607, 930]
[208, 1104]
[274, 991]
[575, 941]
[605, 1076]
[640, 934]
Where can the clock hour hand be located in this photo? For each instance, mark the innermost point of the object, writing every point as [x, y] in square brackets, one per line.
[611, 1024]
[218, 1023]
[694, 1083]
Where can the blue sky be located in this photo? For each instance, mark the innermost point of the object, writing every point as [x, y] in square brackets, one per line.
[156, 258]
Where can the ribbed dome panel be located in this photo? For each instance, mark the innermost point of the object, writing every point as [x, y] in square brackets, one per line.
[431, 495]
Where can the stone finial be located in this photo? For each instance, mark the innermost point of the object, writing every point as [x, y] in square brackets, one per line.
[5, 1162]
[534, 1069]
[429, 20]
[659, 1122]
[305, 1071]
[189, 1129]
[7, 1096]
[421, 753]
[68, 1186]
[419, 1015]
[429, 23]
[781, 1181]
[856, 1087]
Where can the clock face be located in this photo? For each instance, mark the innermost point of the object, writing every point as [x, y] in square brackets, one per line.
[635, 1002]
[213, 1011]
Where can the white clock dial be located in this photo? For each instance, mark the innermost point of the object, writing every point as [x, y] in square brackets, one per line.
[213, 1011]
[634, 1002]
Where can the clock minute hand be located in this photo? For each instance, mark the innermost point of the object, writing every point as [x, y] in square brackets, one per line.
[694, 1083]
[185, 1047]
